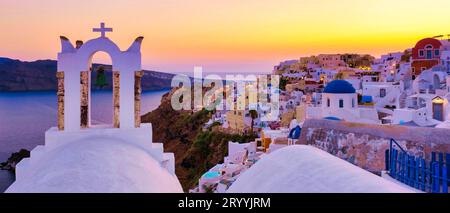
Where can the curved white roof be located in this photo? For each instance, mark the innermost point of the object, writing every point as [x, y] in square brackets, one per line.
[302, 168]
[97, 165]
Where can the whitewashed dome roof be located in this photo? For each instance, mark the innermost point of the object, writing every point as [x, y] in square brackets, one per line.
[306, 169]
[97, 165]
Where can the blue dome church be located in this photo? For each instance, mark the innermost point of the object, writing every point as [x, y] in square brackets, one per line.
[340, 102]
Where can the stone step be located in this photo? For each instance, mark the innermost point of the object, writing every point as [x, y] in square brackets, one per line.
[169, 162]
[37, 153]
[158, 151]
[22, 168]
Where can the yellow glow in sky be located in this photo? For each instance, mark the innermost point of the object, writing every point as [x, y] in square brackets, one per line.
[223, 36]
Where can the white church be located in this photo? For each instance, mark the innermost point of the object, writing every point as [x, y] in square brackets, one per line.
[81, 157]
[339, 101]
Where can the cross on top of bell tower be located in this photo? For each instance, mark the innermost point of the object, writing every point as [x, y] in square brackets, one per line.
[102, 29]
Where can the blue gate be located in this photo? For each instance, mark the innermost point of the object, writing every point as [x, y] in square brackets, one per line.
[428, 176]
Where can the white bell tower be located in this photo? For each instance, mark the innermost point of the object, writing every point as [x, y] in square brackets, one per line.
[74, 131]
[74, 82]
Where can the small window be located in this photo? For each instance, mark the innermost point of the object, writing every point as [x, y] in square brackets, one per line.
[353, 103]
[420, 52]
[436, 52]
[328, 102]
[382, 93]
[341, 103]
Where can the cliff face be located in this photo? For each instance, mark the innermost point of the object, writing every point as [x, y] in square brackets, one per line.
[40, 75]
[196, 150]
[177, 130]
[16, 75]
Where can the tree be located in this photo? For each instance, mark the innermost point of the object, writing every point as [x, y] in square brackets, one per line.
[253, 115]
[283, 83]
[406, 56]
[340, 76]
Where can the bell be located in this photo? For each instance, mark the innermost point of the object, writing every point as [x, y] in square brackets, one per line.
[100, 80]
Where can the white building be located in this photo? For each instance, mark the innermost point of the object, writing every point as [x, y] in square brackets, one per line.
[432, 80]
[422, 110]
[445, 60]
[388, 65]
[428, 105]
[404, 74]
[383, 93]
[326, 74]
[340, 100]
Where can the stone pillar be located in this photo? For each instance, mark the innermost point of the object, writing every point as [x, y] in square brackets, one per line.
[60, 95]
[137, 98]
[116, 98]
[84, 98]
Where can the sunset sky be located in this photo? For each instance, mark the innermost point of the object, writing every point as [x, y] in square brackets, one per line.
[223, 36]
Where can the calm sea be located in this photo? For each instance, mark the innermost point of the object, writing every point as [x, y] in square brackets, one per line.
[25, 116]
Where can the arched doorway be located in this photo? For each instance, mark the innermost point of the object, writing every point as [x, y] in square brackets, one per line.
[438, 109]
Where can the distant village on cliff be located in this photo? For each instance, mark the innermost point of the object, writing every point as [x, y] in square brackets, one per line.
[388, 116]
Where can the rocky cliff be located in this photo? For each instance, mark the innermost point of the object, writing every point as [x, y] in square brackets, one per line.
[196, 150]
[16, 75]
[15, 158]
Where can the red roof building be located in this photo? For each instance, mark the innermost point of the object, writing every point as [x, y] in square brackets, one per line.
[425, 55]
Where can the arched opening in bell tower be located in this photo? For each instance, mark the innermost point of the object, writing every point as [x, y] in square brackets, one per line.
[97, 92]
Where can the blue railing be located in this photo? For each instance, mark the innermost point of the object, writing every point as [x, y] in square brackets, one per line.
[428, 176]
